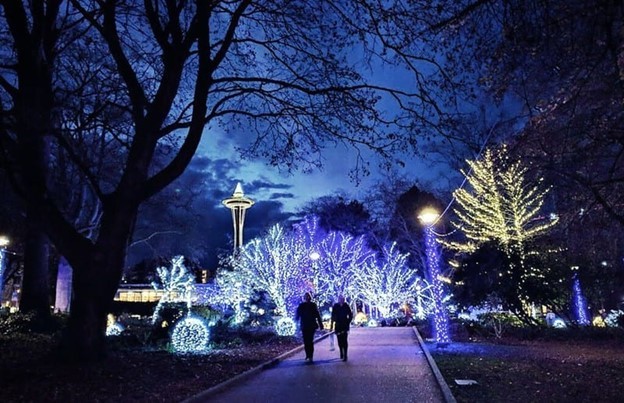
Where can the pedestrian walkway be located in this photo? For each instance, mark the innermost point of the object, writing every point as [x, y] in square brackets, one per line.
[385, 365]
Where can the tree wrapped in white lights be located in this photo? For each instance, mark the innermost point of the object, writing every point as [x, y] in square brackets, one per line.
[177, 285]
[233, 290]
[501, 207]
[342, 256]
[423, 298]
[277, 264]
[386, 282]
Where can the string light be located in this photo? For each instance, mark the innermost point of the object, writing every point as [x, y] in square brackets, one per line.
[190, 335]
[177, 285]
[440, 316]
[387, 282]
[579, 302]
[285, 327]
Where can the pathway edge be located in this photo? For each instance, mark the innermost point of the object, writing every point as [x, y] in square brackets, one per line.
[203, 396]
[444, 388]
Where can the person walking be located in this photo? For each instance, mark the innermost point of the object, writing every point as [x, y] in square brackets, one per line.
[308, 316]
[341, 318]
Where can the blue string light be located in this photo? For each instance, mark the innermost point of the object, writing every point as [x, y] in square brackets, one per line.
[579, 302]
[285, 327]
[440, 316]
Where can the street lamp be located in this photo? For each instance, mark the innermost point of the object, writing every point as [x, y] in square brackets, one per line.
[428, 217]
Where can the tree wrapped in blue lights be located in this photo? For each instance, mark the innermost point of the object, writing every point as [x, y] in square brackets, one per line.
[233, 290]
[579, 302]
[440, 315]
[386, 282]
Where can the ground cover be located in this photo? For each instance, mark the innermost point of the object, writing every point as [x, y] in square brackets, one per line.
[29, 373]
[509, 370]
[506, 369]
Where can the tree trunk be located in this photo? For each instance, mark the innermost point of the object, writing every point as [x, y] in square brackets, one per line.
[35, 294]
[94, 288]
[96, 276]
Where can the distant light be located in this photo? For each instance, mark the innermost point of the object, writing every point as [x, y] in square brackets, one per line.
[115, 329]
[315, 255]
[4, 241]
[559, 323]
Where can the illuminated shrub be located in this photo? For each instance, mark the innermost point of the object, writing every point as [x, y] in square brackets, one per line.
[190, 335]
[360, 319]
[285, 327]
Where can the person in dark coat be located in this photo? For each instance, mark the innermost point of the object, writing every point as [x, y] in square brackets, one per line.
[308, 316]
[340, 323]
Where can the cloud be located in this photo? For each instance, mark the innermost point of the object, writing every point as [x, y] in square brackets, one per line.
[282, 196]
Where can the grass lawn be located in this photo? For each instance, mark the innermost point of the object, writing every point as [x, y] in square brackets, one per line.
[535, 371]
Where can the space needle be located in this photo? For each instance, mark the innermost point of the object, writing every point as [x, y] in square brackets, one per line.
[238, 203]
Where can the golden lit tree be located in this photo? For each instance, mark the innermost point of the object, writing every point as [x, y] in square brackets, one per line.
[501, 207]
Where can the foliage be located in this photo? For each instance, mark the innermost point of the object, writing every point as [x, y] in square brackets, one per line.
[387, 282]
[615, 319]
[498, 322]
[177, 285]
[118, 94]
[30, 322]
[501, 211]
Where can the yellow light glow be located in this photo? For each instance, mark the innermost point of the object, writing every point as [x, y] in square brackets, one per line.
[429, 216]
[4, 241]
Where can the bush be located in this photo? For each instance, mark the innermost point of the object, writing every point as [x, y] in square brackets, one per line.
[24, 323]
[498, 322]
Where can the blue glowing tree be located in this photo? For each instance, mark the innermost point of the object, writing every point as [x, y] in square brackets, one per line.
[440, 315]
[233, 290]
[579, 303]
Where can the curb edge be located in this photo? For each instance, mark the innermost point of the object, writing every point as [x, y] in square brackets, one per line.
[444, 388]
[203, 396]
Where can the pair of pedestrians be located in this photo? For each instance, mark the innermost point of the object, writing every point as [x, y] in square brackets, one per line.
[308, 315]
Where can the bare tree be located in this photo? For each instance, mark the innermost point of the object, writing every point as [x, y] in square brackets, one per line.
[288, 73]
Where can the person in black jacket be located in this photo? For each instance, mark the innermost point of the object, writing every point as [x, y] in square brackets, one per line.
[308, 315]
[340, 323]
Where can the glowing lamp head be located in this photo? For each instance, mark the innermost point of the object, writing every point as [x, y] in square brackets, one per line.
[429, 216]
[315, 256]
[4, 241]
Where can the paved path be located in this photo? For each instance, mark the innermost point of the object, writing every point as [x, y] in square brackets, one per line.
[385, 365]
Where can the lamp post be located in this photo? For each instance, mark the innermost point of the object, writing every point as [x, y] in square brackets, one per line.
[429, 217]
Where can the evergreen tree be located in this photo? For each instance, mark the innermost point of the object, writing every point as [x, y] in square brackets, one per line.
[501, 208]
